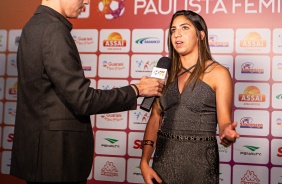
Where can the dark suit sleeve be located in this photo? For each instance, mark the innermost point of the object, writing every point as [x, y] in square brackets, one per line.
[64, 71]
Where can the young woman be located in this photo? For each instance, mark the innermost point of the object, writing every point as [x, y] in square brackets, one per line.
[197, 97]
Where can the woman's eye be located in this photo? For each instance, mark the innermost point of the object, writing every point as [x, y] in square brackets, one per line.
[172, 30]
[185, 27]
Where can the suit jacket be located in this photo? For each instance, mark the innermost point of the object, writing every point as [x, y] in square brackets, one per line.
[53, 138]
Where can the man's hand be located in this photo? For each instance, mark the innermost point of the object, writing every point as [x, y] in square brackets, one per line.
[149, 86]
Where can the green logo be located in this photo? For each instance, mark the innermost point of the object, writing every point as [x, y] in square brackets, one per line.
[111, 140]
[252, 148]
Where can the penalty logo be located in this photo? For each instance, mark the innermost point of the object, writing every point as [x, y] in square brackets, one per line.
[112, 9]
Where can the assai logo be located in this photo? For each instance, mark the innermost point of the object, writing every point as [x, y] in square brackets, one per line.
[144, 65]
[112, 117]
[112, 9]
[252, 151]
[114, 40]
[114, 66]
[109, 169]
[251, 94]
[247, 122]
[250, 178]
[148, 40]
[253, 40]
[213, 41]
[248, 67]
[141, 118]
[112, 145]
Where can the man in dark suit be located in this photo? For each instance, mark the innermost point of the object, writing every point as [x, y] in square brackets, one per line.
[53, 138]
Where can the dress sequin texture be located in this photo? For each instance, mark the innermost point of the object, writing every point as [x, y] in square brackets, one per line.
[192, 113]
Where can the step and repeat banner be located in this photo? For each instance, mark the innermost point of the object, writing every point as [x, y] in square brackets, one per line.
[121, 40]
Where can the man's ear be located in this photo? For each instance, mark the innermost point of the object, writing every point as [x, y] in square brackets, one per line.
[202, 35]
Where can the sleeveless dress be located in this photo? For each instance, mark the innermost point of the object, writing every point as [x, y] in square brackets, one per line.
[186, 149]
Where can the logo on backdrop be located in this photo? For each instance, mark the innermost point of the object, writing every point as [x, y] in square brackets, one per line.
[114, 40]
[109, 169]
[112, 117]
[111, 9]
[253, 39]
[148, 40]
[13, 90]
[111, 65]
[250, 177]
[144, 65]
[279, 154]
[3, 40]
[279, 66]
[247, 122]
[279, 122]
[252, 94]
[215, 42]
[248, 67]
[140, 116]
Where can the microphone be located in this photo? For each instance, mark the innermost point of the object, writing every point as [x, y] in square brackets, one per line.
[159, 72]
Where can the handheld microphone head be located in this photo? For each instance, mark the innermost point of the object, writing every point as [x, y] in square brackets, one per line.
[160, 72]
[164, 62]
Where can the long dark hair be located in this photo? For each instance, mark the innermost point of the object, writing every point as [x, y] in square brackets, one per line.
[204, 49]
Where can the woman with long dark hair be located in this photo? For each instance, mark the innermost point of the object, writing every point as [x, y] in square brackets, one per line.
[197, 98]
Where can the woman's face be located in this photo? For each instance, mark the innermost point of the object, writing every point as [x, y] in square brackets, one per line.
[183, 36]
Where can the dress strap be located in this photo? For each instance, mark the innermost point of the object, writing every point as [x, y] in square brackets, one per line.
[187, 69]
[210, 64]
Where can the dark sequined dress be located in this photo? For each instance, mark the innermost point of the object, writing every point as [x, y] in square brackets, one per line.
[190, 114]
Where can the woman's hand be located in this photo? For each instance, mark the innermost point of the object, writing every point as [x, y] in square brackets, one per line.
[229, 135]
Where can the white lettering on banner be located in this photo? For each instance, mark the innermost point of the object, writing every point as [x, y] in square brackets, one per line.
[216, 6]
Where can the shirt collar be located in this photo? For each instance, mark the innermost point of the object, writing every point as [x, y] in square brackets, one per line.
[50, 11]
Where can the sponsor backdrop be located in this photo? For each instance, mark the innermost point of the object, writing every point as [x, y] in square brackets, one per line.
[121, 40]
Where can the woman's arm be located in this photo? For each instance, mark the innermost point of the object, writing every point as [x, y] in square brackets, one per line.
[224, 102]
[149, 142]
